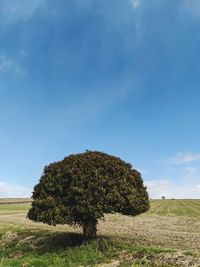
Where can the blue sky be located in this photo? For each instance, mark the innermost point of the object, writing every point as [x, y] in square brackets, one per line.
[119, 76]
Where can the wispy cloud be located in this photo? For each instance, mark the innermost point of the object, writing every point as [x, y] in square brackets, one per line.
[135, 3]
[19, 10]
[10, 65]
[158, 188]
[23, 52]
[192, 7]
[10, 190]
[167, 188]
[183, 158]
[93, 105]
[191, 170]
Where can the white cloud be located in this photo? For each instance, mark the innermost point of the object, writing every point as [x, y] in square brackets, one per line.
[9, 190]
[166, 187]
[18, 10]
[135, 3]
[8, 65]
[158, 188]
[182, 158]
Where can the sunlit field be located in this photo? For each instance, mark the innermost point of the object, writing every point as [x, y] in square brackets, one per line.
[185, 207]
[167, 235]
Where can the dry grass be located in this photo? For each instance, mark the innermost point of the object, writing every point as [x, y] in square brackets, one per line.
[160, 231]
[168, 230]
[170, 224]
[14, 200]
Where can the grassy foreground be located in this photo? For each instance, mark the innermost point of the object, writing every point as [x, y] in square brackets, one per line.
[21, 247]
[167, 235]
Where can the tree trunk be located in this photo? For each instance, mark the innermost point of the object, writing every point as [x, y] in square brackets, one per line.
[89, 229]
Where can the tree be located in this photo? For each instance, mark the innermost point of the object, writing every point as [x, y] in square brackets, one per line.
[163, 197]
[80, 189]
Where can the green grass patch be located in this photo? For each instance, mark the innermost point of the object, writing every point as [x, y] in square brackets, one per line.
[144, 250]
[167, 207]
[176, 207]
[44, 248]
[28, 247]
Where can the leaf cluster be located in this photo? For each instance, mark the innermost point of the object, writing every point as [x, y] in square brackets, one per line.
[85, 186]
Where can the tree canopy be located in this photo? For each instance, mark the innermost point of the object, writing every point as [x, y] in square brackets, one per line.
[81, 188]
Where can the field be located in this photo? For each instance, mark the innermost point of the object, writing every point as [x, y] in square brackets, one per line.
[167, 235]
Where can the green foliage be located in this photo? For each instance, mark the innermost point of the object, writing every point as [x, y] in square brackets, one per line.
[81, 188]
